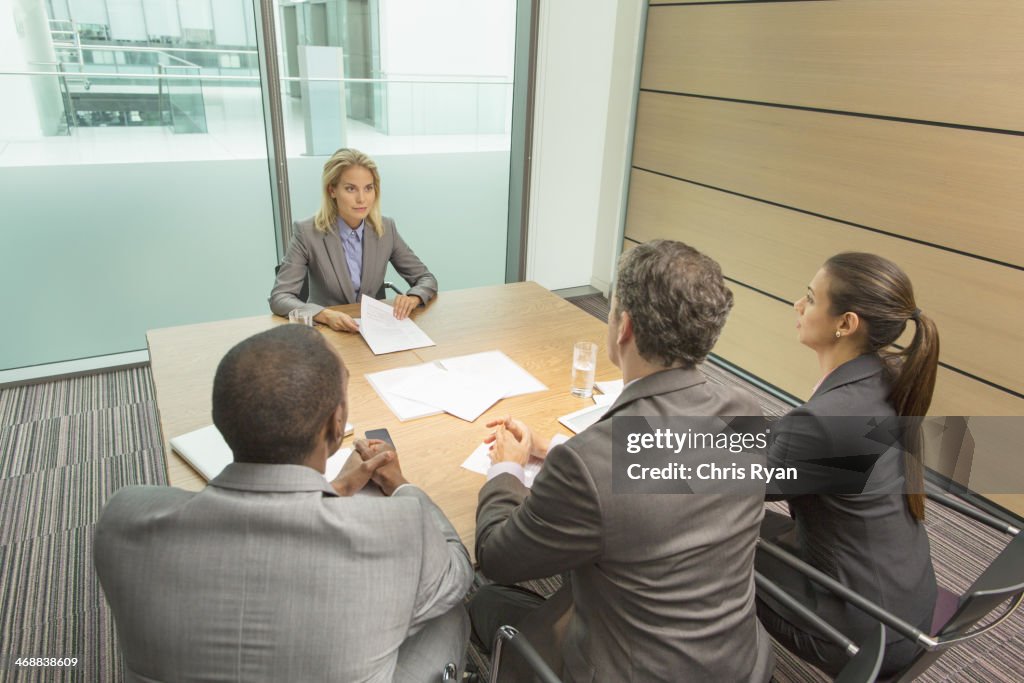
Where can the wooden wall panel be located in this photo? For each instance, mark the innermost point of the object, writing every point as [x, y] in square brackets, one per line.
[809, 128]
[778, 251]
[920, 59]
[957, 188]
[761, 338]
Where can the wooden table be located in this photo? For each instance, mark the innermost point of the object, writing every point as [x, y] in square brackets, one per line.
[534, 327]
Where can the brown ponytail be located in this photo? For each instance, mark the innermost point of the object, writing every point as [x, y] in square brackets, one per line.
[880, 293]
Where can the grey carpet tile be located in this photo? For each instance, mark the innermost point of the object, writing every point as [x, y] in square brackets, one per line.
[88, 632]
[78, 490]
[76, 395]
[47, 579]
[81, 437]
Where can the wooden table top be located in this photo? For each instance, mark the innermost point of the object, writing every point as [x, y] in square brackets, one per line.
[532, 326]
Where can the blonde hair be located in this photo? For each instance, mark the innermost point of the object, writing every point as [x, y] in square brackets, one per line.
[342, 160]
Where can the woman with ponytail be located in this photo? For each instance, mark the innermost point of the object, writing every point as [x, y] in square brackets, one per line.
[857, 505]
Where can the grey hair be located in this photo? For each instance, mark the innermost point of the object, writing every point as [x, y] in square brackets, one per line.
[676, 298]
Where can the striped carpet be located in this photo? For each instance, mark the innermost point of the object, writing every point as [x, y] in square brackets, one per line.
[66, 446]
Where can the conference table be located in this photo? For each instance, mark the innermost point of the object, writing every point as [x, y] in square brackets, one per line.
[532, 326]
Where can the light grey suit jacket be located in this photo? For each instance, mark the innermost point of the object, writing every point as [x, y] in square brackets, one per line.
[662, 585]
[268, 575]
[322, 257]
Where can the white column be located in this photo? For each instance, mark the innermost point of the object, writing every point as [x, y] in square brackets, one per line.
[32, 104]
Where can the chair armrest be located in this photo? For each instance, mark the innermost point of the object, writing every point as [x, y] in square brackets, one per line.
[508, 636]
[863, 604]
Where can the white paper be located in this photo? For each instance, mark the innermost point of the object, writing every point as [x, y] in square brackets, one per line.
[464, 396]
[498, 369]
[604, 399]
[386, 334]
[409, 395]
[583, 418]
[479, 461]
[386, 381]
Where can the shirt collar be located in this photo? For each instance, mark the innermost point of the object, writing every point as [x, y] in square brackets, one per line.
[344, 230]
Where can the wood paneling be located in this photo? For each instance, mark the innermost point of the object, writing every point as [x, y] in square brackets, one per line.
[778, 251]
[951, 187]
[761, 337]
[920, 59]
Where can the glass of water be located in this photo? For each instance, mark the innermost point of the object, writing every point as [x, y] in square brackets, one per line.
[301, 317]
[584, 364]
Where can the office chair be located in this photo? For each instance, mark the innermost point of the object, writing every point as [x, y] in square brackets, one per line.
[865, 658]
[507, 636]
[955, 617]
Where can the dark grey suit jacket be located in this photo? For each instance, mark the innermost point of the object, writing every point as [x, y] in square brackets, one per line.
[322, 257]
[662, 585]
[268, 575]
[869, 542]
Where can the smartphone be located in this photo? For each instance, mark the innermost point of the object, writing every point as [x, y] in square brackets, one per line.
[381, 434]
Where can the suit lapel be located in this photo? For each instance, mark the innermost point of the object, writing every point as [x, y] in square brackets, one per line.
[335, 252]
[371, 249]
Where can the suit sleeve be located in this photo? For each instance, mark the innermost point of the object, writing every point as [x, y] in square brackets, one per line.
[412, 270]
[284, 297]
[526, 534]
[801, 440]
[446, 573]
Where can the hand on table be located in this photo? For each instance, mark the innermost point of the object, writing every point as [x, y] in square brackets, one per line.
[388, 476]
[357, 472]
[336, 320]
[404, 305]
[536, 447]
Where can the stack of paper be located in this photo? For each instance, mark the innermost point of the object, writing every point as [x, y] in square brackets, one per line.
[464, 386]
[386, 334]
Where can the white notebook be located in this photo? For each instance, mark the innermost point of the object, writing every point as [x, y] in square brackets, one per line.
[206, 450]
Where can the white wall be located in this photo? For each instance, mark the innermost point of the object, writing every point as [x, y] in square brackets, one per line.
[586, 63]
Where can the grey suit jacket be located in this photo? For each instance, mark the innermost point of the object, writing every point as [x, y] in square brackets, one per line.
[869, 542]
[322, 257]
[662, 585]
[268, 575]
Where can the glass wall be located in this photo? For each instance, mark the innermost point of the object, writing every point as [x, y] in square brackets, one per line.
[133, 156]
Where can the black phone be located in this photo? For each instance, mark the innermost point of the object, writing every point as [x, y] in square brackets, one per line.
[381, 434]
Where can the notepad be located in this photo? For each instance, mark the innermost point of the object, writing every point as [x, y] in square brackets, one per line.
[206, 450]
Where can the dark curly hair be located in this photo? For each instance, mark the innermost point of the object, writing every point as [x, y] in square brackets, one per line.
[676, 298]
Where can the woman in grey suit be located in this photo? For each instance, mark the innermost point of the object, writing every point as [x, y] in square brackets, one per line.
[344, 250]
[858, 512]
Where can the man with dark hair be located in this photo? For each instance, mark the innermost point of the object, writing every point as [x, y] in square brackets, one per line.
[271, 573]
[659, 587]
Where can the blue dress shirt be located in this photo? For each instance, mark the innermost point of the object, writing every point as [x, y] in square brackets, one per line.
[352, 243]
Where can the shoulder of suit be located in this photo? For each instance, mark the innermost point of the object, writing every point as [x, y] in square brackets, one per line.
[132, 500]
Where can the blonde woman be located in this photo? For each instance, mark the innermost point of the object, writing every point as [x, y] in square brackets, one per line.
[345, 249]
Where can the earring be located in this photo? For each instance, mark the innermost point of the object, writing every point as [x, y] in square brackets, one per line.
[838, 334]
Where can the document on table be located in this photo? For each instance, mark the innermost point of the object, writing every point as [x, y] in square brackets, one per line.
[463, 395]
[479, 460]
[206, 450]
[386, 334]
[583, 418]
[610, 390]
[464, 386]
